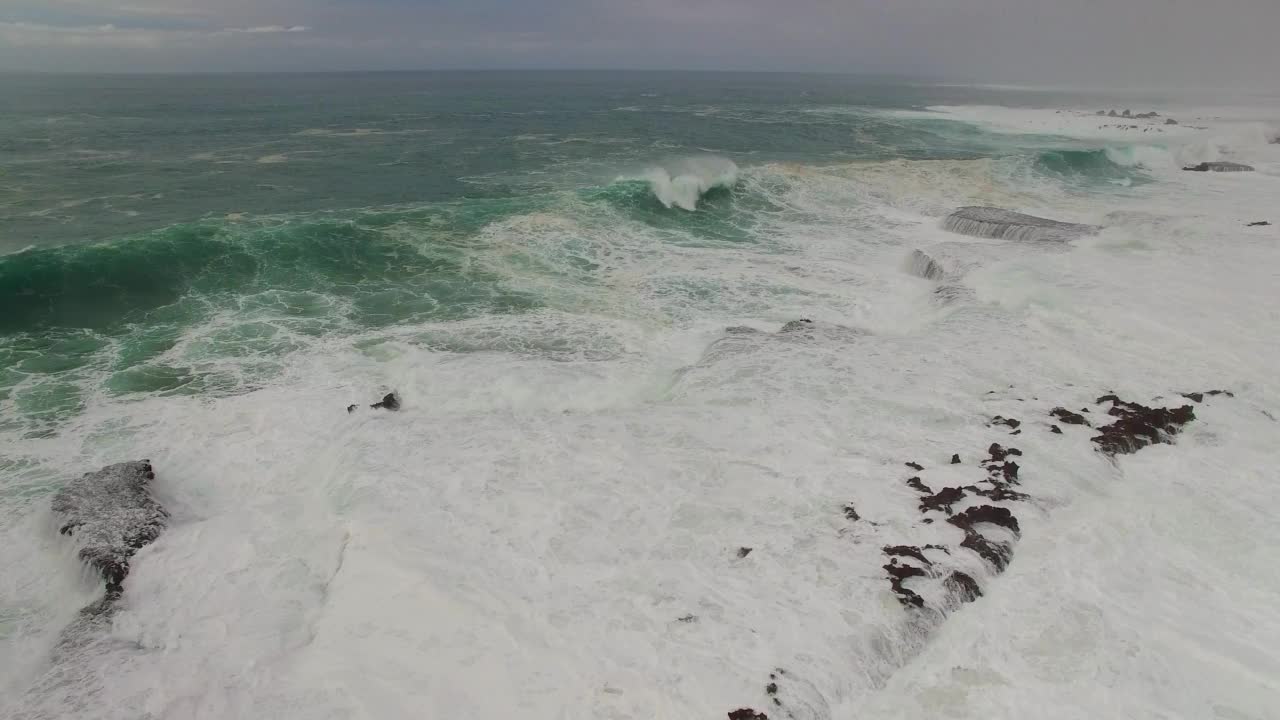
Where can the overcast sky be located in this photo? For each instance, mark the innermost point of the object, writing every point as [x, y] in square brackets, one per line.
[1086, 42]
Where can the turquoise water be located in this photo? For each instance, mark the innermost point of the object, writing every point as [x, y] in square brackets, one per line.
[187, 235]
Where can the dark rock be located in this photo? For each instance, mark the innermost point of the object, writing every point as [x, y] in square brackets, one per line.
[747, 714]
[907, 551]
[955, 459]
[915, 466]
[1219, 167]
[1112, 114]
[1260, 223]
[1055, 429]
[112, 515]
[915, 484]
[963, 586]
[997, 554]
[1138, 426]
[1126, 113]
[351, 408]
[1195, 397]
[899, 574]
[389, 402]
[1067, 417]
[771, 688]
[1215, 393]
[851, 512]
[688, 618]
[744, 551]
[998, 453]
[942, 500]
[992, 514]
[1170, 121]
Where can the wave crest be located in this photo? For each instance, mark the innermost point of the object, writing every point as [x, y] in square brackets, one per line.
[682, 183]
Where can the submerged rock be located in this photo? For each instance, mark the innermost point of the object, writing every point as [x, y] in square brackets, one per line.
[111, 514]
[1001, 224]
[797, 325]
[1219, 167]
[923, 266]
[963, 586]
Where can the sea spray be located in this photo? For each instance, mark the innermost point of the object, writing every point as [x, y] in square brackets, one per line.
[682, 183]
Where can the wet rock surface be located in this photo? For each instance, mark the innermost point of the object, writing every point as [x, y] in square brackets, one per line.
[923, 266]
[1001, 224]
[1137, 426]
[111, 515]
[1219, 167]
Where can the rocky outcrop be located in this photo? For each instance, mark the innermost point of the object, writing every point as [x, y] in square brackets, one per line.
[1138, 426]
[111, 515]
[1260, 223]
[389, 402]
[1001, 224]
[1219, 166]
[1067, 417]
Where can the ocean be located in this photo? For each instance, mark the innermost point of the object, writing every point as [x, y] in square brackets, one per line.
[675, 355]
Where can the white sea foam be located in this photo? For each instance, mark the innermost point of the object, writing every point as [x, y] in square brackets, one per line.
[554, 534]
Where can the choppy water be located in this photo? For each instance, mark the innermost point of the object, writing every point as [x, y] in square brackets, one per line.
[206, 271]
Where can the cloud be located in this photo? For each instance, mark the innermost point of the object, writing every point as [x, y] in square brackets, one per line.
[111, 36]
[269, 29]
[1134, 42]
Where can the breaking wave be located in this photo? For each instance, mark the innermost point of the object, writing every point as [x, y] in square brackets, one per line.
[683, 183]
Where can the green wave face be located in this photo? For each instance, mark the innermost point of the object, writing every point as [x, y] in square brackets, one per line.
[1086, 167]
[218, 306]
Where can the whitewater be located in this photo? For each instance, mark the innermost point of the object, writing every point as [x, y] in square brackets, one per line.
[661, 410]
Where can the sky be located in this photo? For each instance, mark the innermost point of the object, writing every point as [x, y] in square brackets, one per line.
[1101, 43]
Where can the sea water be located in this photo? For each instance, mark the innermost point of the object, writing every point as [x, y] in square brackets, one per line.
[206, 271]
